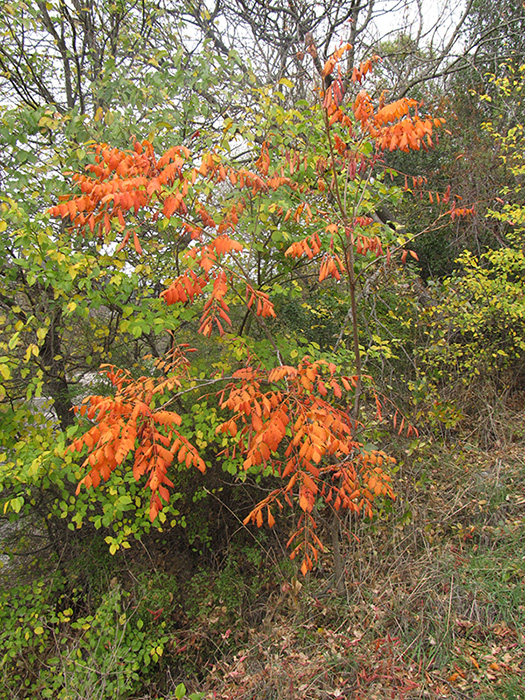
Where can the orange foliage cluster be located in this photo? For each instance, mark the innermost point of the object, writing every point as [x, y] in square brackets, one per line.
[331, 266]
[393, 126]
[334, 94]
[186, 287]
[363, 243]
[293, 428]
[264, 306]
[463, 211]
[309, 246]
[129, 423]
[123, 181]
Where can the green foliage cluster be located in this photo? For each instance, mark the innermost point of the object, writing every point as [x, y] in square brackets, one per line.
[50, 649]
[478, 329]
[473, 334]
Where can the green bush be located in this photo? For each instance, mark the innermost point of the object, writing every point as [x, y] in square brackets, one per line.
[52, 651]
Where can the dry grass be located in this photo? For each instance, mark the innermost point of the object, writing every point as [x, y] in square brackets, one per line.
[434, 605]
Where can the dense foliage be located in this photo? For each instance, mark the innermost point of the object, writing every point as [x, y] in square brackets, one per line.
[238, 302]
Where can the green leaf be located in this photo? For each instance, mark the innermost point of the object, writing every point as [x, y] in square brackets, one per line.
[13, 341]
[180, 691]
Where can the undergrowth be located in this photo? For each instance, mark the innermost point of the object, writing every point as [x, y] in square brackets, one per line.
[434, 604]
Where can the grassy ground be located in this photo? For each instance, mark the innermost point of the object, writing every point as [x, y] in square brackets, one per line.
[434, 604]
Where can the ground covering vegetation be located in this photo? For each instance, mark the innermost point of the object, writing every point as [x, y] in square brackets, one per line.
[261, 349]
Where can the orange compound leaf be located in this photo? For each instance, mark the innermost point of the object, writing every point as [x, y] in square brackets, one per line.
[330, 267]
[167, 418]
[186, 287]
[188, 455]
[220, 287]
[308, 246]
[334, 59]
[224, 244]
[461, 212]
[175, 155]
[295, 250]
[363, 108]
[394, 111]
[363, 221]
[264, 307]
[282, 372]
[206, 327]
